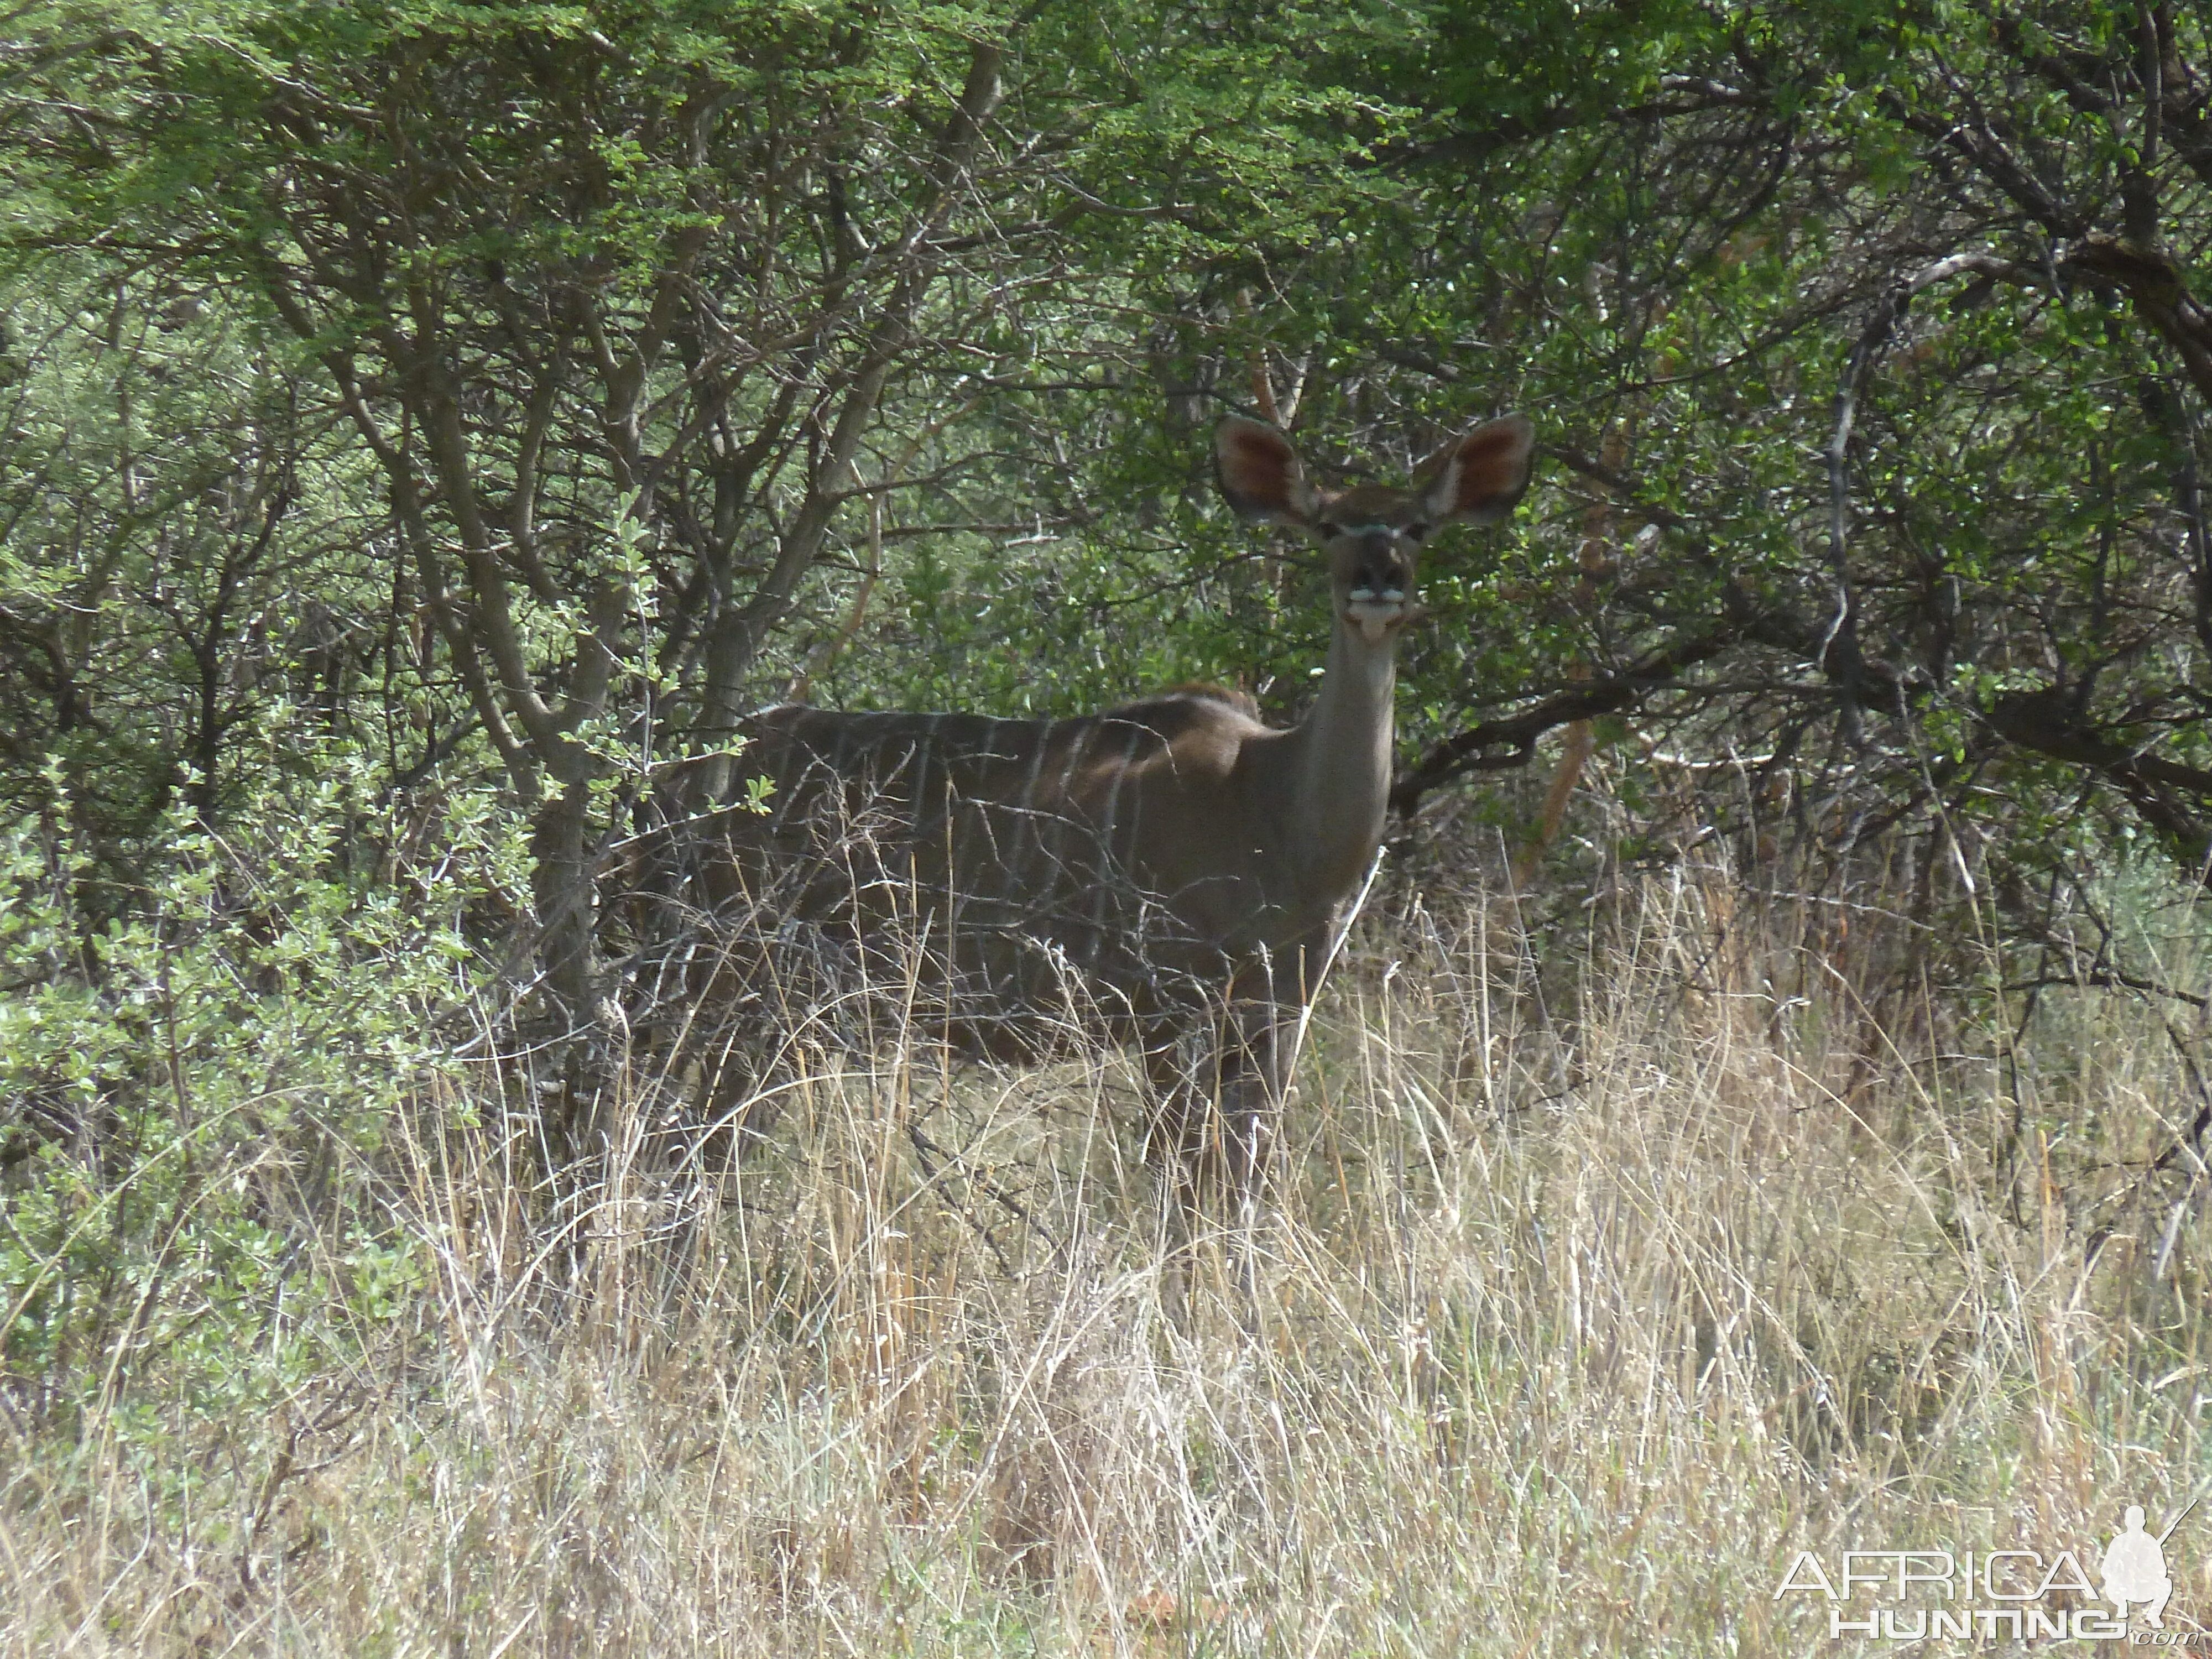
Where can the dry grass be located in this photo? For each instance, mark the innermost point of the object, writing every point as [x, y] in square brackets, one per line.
[1579, 1322]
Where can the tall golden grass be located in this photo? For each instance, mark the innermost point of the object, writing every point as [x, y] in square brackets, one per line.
[1587, 1302]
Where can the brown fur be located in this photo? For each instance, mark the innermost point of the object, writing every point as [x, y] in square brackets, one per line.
[1170, 873]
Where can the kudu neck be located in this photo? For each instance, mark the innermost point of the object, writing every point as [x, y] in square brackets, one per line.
[1345, 757]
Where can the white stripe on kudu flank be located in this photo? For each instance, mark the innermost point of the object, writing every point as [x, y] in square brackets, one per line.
[1112, 867]
[927, 750]
[1027, 833]
[1056, 824]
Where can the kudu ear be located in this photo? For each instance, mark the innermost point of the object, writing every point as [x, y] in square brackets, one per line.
[1480, 475]
[1262, 475]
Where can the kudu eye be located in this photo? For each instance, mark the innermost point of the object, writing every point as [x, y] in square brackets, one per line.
[1330, 530]
[1413, 533]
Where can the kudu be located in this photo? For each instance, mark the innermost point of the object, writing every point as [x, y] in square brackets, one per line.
[1171, 874]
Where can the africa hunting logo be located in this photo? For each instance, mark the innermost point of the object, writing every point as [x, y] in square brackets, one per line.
[2020, 1596]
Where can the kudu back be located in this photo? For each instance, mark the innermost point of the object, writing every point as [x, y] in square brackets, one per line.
[1170, 875]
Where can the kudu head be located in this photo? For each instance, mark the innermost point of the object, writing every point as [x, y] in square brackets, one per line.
[1371, 535]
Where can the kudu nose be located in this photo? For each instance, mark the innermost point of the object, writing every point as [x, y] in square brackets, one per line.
[1380, 574]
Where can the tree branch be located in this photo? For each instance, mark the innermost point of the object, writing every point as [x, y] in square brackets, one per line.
[1515, 735]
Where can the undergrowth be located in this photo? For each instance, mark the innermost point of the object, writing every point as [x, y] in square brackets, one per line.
[1591, 1298]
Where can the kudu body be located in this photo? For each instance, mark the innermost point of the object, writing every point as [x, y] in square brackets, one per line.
[1171, 874]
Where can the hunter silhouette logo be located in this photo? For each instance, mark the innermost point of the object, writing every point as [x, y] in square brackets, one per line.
[2023, 1594]
[2135, 1568]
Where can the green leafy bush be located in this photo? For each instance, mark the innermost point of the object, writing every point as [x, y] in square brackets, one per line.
[202, 1068]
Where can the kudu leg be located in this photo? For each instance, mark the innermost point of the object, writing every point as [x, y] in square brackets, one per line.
[734, 1109]
[758, 1002]
[722, 1069]
[1236, 1157]
[1219, 1095]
